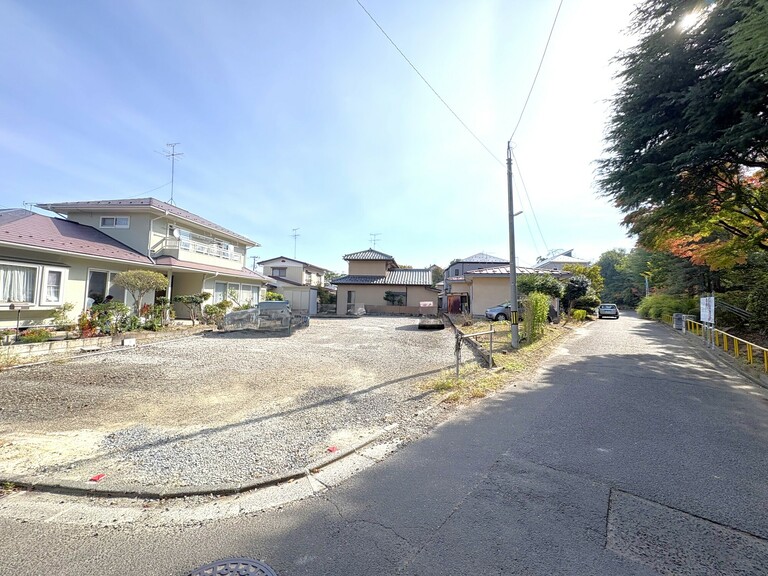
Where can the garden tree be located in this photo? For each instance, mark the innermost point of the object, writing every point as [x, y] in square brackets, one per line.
[591, 272]
[193, 303]
[331, 276]
[687, 146]
[325, 295]
[274, 296]
[437, 274]
[576, 287]
[138, 283]
[394, 298]
[542, 283]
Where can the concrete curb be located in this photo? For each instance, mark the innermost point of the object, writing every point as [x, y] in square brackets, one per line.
[73, 488]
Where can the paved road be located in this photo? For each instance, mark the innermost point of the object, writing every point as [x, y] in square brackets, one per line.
[629, 455]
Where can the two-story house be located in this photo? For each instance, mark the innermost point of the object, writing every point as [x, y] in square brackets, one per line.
[371, 275]
[48, 261]
[297, 281]
[457, 293]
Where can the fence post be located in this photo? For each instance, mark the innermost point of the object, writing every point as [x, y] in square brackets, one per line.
[458, 353]
[490, 356]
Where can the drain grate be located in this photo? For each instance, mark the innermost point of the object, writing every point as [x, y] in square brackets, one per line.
[234, 567]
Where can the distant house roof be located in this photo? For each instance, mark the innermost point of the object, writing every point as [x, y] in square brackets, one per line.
[306, 264]
[561, 259]
[504, 271]
[369, 254]
[396, 277]
[482, 258]
[134, 203]
[27, 229]
[172, 262]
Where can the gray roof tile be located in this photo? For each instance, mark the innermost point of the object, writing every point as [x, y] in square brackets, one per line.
[396, 277]
[369, 254]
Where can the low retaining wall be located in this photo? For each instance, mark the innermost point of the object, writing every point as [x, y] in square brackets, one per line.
[40, 350]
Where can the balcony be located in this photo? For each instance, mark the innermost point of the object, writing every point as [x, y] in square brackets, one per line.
[197, 250]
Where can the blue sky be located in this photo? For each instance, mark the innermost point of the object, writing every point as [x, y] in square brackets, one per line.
[301, 114]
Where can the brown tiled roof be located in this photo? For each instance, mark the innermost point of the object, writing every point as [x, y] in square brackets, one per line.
[172, 262]
[27, 229]
[153, 203]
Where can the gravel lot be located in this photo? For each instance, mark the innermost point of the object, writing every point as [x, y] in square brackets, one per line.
[219, 407]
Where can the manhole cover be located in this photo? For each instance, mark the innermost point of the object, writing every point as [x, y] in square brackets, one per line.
[235, 567]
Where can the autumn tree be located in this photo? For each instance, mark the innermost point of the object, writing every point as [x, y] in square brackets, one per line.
[687, 144]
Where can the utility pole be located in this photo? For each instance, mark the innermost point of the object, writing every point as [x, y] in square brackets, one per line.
[514, 341]
[374, 239]
[295, 235]
[172, 155]
[253, 263]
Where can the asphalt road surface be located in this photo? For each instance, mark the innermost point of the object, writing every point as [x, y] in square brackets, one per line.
[631, 454]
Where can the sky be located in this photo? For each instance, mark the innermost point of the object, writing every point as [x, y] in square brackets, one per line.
[298, 114]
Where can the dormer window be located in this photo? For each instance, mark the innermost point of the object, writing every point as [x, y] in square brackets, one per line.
[115, 222]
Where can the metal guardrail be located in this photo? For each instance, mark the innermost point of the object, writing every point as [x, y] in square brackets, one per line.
[736, 347]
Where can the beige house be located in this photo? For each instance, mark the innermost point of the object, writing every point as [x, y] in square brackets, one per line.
[371, 275]
[489, 287]
[297, 281]
[47, 261]
[456, 293]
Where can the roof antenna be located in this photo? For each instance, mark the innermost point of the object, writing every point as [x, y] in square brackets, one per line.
[295, 235]
[172, 155]
[374, 239]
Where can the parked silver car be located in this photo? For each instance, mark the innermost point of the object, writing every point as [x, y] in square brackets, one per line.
[609, 310]
[500, 312]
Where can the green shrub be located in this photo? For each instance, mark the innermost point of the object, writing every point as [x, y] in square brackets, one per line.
[535, 310]
[588, 302]
[541, 283]
[758, 306]
[193, 303]
[31, 335]
[214, 313]
[61, 319]
[579, 315]
[110, 317]
[657, 305]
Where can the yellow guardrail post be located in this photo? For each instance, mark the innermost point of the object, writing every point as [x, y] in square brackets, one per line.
[749, 352]
[736, 347]
[725, 342]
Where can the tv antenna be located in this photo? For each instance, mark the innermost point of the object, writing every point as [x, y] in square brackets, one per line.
[295, 235]
[172, 155]
[375, 238]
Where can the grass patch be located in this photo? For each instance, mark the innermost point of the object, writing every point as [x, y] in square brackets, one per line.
[476, 381]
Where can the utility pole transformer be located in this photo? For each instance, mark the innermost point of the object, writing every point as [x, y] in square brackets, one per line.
[514, 341]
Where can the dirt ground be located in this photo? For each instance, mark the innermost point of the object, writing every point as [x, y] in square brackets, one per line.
[66, 410]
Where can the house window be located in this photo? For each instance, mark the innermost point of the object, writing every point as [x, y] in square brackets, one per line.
[37, 285]
[455, 271]
[115, 222]
[219, 292]
[17, 283]
[53, 286]
[233, 293]
[279, 272]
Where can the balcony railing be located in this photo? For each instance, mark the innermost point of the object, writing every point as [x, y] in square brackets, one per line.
[210, 249]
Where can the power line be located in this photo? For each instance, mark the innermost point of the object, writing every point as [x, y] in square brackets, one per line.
[525, 189]
[475, 136]
[541, 61]
[462, 122]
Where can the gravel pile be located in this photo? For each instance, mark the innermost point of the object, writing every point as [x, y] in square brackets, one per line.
[231, 407]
